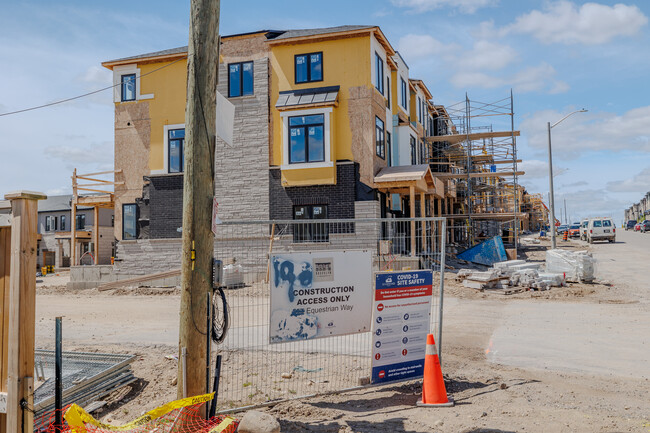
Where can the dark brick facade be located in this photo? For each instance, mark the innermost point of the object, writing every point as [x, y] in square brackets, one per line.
[161, 208]
[339, 198]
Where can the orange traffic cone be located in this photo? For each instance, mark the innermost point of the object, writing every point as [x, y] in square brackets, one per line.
[566, 235]
[434, 393]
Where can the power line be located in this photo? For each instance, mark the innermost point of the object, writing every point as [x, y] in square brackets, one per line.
[85, 94]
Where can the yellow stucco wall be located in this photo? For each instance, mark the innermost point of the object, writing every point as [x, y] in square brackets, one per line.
[169, 87]
[346, 63]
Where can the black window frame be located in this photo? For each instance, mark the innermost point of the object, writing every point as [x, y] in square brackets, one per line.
[403, 100]
[48, 224]
[169, 153]
[389, 148]
[379, 75]
[380, 138]
[63, 221]
[123, 88]
[419, 102]
[388, 91]
[80, 222]
[135, 223]
[306, 135]
[414, 155]
[241, 79]
[308, 59]
[310, 232]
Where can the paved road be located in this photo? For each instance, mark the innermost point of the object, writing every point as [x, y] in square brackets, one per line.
[596, 337]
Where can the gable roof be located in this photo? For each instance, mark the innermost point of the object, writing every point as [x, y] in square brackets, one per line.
[302, 33]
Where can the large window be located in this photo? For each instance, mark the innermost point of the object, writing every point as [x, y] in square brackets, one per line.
[379, 73]
[128, 87]
[175, 144]
[129, 221]
[414, 151]
[50, 223]
[63, 222]
[419, 110]
[312, 232]
[306, 139]
[422, 152]
[388, 92]
[403, 94]
[80, 223]
[309, 67]
[379, 138]
[240, 79]
[389, 149]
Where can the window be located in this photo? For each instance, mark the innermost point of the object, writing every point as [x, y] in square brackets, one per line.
[129, 222]
[419, 110]
[389, 149]
[314, 232]
[403, 96]
[63, 222]
[175, 143]
[128, 87]
[379, 73]
[51, 223]
[422, 153]
[379, 138]
[388, 92]
[414, 155]
[306, 139]
[309, 67]
[240, 79]
[81, 222]
[607, 223]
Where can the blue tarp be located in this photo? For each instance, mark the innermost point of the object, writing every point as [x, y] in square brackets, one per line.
[486, 253]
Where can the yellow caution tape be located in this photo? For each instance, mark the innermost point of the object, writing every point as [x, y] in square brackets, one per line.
[77, 418]
[222, 425]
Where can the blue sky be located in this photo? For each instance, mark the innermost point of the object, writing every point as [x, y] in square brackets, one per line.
[557, 56]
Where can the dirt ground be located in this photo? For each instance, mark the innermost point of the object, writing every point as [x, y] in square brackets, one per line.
[574, 359]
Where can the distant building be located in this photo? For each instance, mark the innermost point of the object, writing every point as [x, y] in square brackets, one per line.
[54, 225]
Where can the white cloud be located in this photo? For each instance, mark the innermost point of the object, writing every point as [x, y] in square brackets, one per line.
[590, 24]
[487, 55]
[575, 184]
[539, 78]
[416, 47]
[464, 6]
[98, 76]
[536, 169]
[590, 132]
[639, 183]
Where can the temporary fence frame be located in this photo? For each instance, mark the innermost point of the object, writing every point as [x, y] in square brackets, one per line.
[256, 373]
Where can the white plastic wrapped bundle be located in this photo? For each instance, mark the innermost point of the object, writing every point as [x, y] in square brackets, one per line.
[577, 266]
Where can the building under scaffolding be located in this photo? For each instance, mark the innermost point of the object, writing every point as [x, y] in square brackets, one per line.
[474, 145]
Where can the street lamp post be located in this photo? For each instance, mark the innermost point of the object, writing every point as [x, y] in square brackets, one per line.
[550, 175]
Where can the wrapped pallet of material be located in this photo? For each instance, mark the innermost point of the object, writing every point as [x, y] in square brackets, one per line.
[578, 266]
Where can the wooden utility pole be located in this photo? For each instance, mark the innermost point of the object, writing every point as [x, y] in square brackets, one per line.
[22, 311]
[198, 192]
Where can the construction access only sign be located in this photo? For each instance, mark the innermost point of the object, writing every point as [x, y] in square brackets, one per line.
[402, 313]
[320, 294]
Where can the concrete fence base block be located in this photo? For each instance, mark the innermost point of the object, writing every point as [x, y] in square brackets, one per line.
[258, 422]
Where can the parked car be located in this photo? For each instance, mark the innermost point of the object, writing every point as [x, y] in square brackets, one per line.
[601, 229]
[645, 226]
[562, 228]
[583, 229]
[574, 230]
[637, 227]
[630, 225]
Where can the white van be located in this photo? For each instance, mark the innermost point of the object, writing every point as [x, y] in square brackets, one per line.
[601, 229]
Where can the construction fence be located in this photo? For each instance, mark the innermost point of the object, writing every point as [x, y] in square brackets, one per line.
[267, 357]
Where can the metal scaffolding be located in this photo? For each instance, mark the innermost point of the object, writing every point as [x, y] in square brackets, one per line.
[474, 143]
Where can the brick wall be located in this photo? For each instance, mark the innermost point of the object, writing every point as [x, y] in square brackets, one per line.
[339, 198]
[165, 202]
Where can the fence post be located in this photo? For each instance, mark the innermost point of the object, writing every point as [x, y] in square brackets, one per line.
[22, 303]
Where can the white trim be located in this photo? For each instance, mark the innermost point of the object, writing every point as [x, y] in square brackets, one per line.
[166, 128]
[118, 71]
[326, 111]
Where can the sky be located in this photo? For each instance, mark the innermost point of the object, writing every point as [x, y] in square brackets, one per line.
[556, 56]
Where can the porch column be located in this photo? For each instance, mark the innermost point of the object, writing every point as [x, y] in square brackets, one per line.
[412, 207]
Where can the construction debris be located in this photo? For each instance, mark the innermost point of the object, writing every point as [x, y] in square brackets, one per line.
[506, 275]
[86, 378]
[578, 266]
